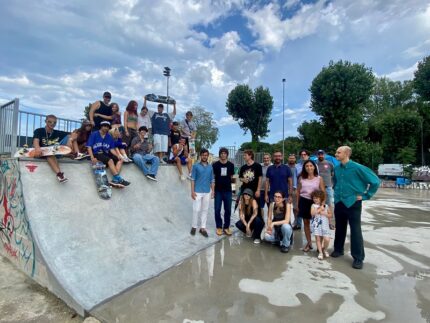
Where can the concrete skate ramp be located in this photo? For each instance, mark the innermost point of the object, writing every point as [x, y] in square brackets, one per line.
[95, 248]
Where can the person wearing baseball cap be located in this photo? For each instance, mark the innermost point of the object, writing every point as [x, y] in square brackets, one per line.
[101, 111]
[101, 148]
[326, 171]
[251, 223]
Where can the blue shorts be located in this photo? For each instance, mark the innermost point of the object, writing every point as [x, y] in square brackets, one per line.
[182, 158]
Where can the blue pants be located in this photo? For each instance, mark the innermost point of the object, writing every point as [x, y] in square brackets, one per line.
[142, 160]
[351, 215]
[287, 232]
[220, 198]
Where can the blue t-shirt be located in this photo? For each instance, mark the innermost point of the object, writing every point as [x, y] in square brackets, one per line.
[203, 177]
[98, 143]
[278, 179]
[160, 124]
[119, 144]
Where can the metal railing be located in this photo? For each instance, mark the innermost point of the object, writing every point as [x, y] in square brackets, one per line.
[8, 126]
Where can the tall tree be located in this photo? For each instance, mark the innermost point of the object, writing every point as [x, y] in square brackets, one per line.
[207, 131]
[251, 109]
[313, 135]
[339, 95]
[422, 79]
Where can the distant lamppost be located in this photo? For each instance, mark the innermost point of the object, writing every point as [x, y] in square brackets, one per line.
[166, 73]
[283, 121]
[422, 142]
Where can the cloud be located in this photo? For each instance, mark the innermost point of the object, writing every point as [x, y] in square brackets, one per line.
[225, 121]
[402, 74]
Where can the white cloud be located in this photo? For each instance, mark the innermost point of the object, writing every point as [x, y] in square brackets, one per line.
[225, 121]
[19, 80]
[402, 74]
[418, 51]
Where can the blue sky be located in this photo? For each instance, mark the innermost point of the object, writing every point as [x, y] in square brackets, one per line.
[58, 56]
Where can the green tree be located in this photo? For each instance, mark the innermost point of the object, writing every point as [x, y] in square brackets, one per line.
[313, 135]
[263, 147]
[251, 109]
[292, 145]
[406, 155]
[87, 111]
[207, 131]
[366, 153]
[422, 79]
[339, 95]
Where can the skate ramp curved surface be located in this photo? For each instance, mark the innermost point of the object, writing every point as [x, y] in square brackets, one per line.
[97, 248]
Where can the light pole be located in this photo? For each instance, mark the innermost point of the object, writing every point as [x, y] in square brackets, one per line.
[166, 73]
[422, 142]
[283, 121]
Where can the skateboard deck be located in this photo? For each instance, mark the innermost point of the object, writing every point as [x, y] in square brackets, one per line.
[102, 183]
[57, 150]
[192, 147]
[159, 98]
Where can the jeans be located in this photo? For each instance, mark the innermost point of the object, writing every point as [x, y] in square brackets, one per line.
[329, 195]
[220, 198]
[287, 232]
[352, 215]
[257, 226]
[200, 209]
[142, 160]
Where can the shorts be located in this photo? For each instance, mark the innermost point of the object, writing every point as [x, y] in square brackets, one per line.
[182, 158]
[305, 208]
[160, 143]
[104, 158]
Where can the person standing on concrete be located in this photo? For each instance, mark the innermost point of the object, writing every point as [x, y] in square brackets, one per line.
[304, 156]
[278, 179]
[202, 190]
[141, 149]
[223, 172]
[292, 165]
[353, 183]
[188, 128]
[250, 175]
[267, 161]
[48, 136]
[101, 111]
[326, 171]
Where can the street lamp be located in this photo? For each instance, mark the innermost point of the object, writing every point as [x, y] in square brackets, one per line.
[166, 73]
[283, 121]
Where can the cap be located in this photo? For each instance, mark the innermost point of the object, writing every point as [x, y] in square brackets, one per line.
[321, 151]
[248, 191]
[107, 94]
[105, 123]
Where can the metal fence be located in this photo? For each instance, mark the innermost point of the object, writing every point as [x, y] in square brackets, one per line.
[239, 161]
[17, 127]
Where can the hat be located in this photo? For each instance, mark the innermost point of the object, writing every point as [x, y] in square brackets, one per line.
[248, 191]
[105, 123]
[321, 151]
[107, 94]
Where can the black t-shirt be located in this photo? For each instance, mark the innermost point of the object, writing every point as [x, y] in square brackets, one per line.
[252, 173]
[223, 174]
[47, 139]
[174, 136]
[105, 110]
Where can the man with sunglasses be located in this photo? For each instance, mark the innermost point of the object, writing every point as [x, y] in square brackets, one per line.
[101, 111]
[48, 136]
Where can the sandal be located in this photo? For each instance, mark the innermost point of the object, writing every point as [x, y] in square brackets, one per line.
[307, 248]
[326, 254]
[320, 256]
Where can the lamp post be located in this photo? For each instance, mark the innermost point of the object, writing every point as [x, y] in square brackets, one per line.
[422, 142]
[166, 73]
[283, 121]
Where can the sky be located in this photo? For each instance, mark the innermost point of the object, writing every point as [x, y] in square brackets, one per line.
[57, 56]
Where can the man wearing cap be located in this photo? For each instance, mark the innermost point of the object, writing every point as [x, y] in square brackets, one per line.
[100, 147]
[141, 149]
[101, 111]
[353, 183]
[326, 171]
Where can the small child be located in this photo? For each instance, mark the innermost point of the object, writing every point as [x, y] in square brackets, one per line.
[320, 223]
[119, 145]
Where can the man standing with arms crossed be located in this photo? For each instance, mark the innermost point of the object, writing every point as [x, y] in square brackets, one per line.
[223, 171]
[202, 190]
[353, 183]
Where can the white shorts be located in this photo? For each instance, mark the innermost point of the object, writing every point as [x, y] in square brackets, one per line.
[160, 143]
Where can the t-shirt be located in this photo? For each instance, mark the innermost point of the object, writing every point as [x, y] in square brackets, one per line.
[119, 144]
[100, 144]
[175, 135]
[161, 123]
[223, 174]
[326, 169]
[252, 173]
[47, 139]
[187, 127]
[144, 121]
[278, 175]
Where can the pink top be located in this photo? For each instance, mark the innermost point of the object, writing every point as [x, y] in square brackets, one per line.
[308, 186]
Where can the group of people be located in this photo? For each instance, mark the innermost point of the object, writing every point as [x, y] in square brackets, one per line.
[311, 191]
[147, 137]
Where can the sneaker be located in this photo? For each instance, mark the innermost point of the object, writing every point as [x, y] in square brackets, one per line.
[189, 177]
[193, 231]
[320, 256]
[336, 254]
[285, 249]
[122, 181]
[326, 254]
[80, 156]
[162, 162]
[204, 233]
[296, 227]
[357, 264]
[151, 177]
[218, 231]
[61, 178]
[257, 241]
[182, 177]
[228, 231]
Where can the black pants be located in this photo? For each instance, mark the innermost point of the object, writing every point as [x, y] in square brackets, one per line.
[352, 215]
[104, 158]
[257, 226]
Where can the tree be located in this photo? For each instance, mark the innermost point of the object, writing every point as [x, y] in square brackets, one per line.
[292, 145]
[339, 95]
[366, 153]
[313, 135]
[251, 109]
[422, 79]
[207, 132]
[87, 111]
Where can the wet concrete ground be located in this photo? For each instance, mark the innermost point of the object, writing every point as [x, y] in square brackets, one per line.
[237, 281]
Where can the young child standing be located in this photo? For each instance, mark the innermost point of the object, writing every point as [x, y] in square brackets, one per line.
[320, 224]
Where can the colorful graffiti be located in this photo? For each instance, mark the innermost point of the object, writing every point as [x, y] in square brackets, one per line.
[15, 236]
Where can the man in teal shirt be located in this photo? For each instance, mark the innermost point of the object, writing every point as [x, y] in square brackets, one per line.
[353, 183]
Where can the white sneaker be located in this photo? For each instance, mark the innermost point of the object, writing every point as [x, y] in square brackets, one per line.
[162, 162]
[80, 156]
[189, 177]
[182, 177]
[257, 241]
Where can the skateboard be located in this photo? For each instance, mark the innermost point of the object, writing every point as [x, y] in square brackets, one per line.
[103, 186]
[192, 148]
[159, 98]
[55, 150]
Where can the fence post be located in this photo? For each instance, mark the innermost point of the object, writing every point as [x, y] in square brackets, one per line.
[14, 134]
